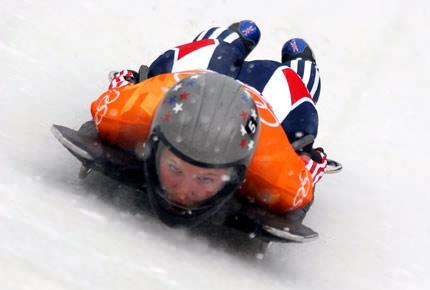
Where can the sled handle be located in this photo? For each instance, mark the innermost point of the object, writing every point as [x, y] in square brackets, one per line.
[332, 165]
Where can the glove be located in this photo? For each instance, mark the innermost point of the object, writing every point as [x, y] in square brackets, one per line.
[123, 78]
[316, 163]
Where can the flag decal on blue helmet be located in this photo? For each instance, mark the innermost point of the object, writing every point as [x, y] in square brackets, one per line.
[249, 30]
[293, 46]
[297, 48]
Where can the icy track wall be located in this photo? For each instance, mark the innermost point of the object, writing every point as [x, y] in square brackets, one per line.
[60, 233]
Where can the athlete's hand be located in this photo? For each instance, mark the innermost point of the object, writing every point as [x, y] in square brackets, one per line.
[122, 78]
[316, 163]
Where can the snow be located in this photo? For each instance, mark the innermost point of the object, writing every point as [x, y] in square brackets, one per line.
[57, 232]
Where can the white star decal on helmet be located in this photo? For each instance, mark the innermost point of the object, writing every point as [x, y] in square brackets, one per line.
[253, 114]
[177, 87]
[250, 145]
[242, 130]
[178, 108]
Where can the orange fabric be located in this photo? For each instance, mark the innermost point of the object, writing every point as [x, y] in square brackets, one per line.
[276, 177]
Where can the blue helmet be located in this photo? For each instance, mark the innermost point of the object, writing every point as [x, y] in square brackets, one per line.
[297, 48]
[249, 33]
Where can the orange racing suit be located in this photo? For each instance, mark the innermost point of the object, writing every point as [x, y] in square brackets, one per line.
[276, 178]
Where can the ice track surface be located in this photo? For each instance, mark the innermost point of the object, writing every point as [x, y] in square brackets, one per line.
[57, 232]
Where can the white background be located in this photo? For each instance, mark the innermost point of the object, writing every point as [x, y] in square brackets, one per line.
[57, 232]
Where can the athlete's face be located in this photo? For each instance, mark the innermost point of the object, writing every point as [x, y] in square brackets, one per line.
[187, 184]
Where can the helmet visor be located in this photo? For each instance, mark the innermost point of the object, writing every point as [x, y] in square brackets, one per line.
[187, 186]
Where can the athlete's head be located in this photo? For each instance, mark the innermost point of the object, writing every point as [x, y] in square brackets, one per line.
[202, 139]
[297, 48]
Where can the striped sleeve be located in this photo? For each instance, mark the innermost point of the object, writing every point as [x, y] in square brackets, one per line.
[309, 73]
[222, 34]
